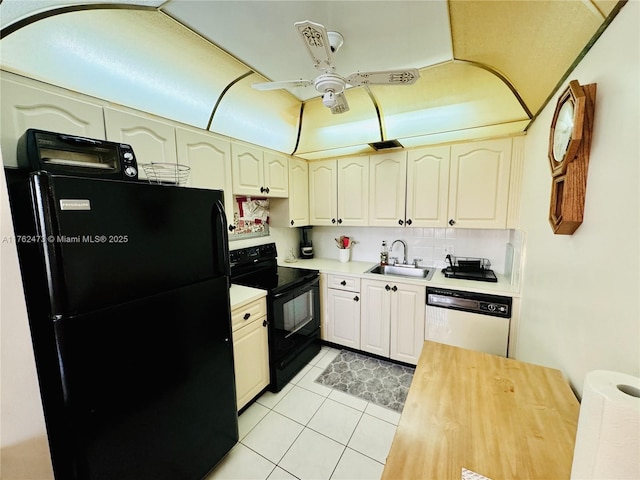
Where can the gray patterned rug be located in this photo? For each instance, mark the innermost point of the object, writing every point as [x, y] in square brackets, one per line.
[371, 379]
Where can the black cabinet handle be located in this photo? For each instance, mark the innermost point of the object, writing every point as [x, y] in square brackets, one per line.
[452, 222]
[387, 288]
[333, 220]
[339, 221]
[232, 228]
[266, 189]
[356, 298]
[394, 288]
[265, 323]
[261, 189]
[246, 316]
[400, 222]
[343, 283]
[409, 222]
[292, 222]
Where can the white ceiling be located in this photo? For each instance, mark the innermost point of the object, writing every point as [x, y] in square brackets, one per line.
[378, 35]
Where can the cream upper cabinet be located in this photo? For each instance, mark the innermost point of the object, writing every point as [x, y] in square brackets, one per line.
[428, 187]
[387, 187]
[209, 158]
[259, 173]
[39, 106]
[293, 211]
[153, 141]
[339, 192]
[353, 191]
[323, 192]
[479, 186]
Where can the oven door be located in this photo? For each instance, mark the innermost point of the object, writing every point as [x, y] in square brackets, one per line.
[294, 324]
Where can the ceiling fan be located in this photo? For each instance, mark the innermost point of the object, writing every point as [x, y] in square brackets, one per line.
[321, 45]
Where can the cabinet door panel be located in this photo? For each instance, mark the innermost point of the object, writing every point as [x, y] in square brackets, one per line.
[26, 106]
[343, 323]
[353, 191]
[387, 187]
[428, 186]
[276, 174]
[374, 325]
[479, 192]
[299, 191]
[209, 158]
[408, 306]
[323, 193]
[152, 140]
[251, 358]
[247, 170]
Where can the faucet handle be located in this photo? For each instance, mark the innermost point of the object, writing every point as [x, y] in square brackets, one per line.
[416, 262]
[393, 260]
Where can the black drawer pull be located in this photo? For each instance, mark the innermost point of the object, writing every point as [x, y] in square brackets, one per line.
[246, 316]
[343, 283]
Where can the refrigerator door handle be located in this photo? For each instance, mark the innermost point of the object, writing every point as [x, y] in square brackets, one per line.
[220, 227]
[47, 233]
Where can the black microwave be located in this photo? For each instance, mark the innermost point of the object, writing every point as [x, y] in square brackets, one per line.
[79, 156]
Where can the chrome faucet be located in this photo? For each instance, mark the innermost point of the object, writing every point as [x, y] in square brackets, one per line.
[404, 250]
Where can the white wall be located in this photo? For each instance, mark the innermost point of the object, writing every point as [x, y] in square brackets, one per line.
[580, 293]
[24, 452]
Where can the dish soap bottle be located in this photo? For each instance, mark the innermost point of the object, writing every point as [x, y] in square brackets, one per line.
[384, 253]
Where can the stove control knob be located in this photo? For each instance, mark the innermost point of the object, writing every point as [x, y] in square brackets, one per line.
[130, 171]
[128, 156]
[491, 307]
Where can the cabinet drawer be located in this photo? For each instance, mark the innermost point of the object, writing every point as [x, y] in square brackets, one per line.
[248, 313]
[342, 282]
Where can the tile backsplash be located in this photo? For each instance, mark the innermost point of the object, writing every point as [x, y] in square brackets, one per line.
[429, 244]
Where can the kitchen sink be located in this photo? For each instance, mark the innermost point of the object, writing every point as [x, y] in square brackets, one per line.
[401, 270]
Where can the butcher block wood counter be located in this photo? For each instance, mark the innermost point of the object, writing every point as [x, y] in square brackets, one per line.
[498, 417]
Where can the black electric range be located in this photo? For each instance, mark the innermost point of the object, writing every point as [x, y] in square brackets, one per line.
[293, 308]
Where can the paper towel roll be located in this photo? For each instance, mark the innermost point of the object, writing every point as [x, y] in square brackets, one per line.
[608, 436]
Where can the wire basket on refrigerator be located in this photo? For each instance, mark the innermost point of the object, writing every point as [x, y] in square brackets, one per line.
[166, 173]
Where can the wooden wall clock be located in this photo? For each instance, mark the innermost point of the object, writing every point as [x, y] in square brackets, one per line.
[569, 147]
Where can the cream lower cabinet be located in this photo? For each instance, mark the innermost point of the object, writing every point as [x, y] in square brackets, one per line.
[479, 185]
[392, 319]
[250, 350]
[343, 311]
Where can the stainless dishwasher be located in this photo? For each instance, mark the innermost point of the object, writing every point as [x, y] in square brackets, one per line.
[470, 320]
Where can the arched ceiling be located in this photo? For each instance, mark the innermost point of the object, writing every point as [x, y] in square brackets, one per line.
[486, 67]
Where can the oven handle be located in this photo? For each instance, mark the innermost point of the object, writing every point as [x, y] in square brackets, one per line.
[315, 279]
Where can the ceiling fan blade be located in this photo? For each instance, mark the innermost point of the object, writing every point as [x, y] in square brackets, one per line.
[316, 40]
[341, 105]
[281, 84]
[388, 77]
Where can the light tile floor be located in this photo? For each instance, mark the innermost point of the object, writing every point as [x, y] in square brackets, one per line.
[309, 431]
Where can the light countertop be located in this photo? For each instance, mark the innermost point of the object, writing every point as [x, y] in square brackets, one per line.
[327, 265]
[239, 295]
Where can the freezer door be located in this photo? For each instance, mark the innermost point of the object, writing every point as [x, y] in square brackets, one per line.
[106, 242]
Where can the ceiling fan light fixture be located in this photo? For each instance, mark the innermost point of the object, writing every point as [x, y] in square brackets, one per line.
[329, 99]
[335, 41]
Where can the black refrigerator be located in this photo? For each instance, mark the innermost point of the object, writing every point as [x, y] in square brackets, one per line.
[127, 290]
